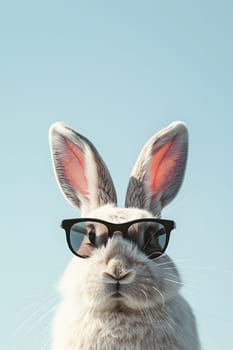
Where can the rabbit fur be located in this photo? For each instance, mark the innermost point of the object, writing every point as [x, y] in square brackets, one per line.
[151, 314]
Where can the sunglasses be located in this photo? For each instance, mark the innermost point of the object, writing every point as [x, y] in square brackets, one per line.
[86, 234]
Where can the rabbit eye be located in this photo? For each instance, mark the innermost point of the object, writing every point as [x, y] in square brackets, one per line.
[155, 240]
[92, 237]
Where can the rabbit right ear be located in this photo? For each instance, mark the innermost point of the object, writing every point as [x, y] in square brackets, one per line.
[80, 172]
[159, 170]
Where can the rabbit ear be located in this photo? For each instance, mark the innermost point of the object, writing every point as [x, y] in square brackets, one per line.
[159, 170]
[80, 172]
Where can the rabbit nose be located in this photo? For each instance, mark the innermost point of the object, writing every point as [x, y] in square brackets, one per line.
[116, 271]
[123, 278]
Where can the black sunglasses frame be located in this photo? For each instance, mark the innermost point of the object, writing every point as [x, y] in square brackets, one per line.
[66, 224]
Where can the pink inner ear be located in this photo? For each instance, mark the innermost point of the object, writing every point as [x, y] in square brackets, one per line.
[73, 163]
[163, 165]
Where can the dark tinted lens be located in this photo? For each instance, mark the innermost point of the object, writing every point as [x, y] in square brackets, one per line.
[155, 239]
[77, 233]
[95, 234]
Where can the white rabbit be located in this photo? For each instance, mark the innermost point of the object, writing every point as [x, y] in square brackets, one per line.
[119, 298]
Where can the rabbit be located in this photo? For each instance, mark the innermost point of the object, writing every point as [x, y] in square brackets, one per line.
[150, 314]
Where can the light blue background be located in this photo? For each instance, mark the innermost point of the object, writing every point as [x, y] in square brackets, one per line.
[116, 71]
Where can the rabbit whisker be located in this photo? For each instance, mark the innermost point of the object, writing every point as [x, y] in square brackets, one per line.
[45, 334]
[197, 267]
[171, 262]
[180, 283]
[49, 311]
[40, 292]
[157, 258]
[161, 295]
[144, 293]
[29, 319]
[165, 263]
[147, 314]
[29, 306]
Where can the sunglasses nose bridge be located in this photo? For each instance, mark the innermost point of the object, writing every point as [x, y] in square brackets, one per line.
[117, 233]
[118, 230]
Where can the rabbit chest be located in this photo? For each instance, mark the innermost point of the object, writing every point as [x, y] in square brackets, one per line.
[122, 331]
[119, 331]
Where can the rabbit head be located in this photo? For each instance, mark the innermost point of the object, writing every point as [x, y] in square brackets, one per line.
[119, 275]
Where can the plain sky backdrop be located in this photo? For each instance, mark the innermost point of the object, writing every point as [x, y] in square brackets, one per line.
[116, 71]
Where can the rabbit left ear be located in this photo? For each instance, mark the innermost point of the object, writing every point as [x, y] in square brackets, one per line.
[81, 173]
[159, 170]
